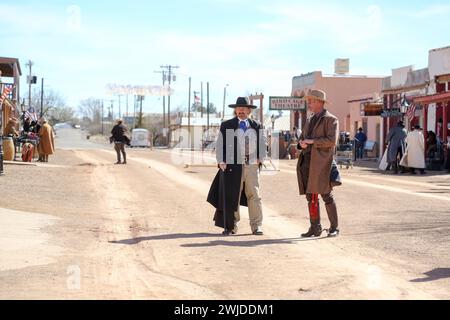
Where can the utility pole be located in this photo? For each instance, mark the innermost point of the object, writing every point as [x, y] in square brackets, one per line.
[134, 111]
[120, 111]
[224, 98]
[201, 99]
[30, 65]
[163, 72]
[189, 114]
[171, 77]
[101, 117]
[140, 99]
[207, 108]
[42, 97]
[112, 110]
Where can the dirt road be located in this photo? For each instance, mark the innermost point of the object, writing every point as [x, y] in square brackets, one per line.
[81, 227]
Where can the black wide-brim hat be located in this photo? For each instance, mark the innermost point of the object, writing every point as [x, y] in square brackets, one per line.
[242, 102]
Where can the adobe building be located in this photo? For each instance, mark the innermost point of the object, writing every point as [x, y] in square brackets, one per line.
[339, 88]
[365, 111]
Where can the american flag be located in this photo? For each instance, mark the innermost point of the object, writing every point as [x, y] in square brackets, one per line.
[196, 100]
[411, 111]
[31, 113]
[6, 91]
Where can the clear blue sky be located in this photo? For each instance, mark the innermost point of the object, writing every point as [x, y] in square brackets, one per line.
[80, 46]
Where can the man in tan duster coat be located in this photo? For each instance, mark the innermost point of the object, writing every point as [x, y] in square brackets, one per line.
[317, 143]
[46, 145]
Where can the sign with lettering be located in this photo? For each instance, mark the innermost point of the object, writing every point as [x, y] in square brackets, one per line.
[287, 103]
[389, 113]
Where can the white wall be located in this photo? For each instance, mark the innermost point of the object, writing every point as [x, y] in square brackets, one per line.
[439, 62]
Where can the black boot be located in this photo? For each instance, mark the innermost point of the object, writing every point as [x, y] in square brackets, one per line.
[315, 230]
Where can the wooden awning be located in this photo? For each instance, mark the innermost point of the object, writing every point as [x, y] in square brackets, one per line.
[7, 66]
[433, 98]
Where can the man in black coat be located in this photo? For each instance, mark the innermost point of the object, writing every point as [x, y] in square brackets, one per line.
[119, 139]
[240, 151]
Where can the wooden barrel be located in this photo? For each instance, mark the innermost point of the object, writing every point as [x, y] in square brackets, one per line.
[8, 149]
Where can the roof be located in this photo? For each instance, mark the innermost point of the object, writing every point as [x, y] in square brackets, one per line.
[416, 78]
[6, 66]
[433, 98]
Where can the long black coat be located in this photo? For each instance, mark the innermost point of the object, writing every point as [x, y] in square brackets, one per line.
[229, 152]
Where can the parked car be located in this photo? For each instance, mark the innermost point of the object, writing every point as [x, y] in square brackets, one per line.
[140, 138]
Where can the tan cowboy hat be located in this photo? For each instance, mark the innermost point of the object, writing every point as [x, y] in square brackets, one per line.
[317, 94]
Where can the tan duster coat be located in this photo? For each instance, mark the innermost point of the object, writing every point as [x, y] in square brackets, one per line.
[325, 135]
[414, 156]
[46, 140]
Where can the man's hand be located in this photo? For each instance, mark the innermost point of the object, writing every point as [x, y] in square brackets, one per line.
[309, 141]
[222, 166]
[302, 144]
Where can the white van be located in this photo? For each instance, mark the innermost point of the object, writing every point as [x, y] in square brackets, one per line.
[140, 138]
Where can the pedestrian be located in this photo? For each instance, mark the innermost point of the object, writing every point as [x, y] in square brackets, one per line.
[317, 144]
[431, 144]
[119, 139]
[240, 151]
[396, 139]
[46, 145]
[26, 125]
[414, 157]
[361, 140]
[287, 137]
[297, 133]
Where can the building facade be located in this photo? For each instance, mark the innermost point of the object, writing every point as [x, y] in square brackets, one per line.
[398, 92]
[339, 90]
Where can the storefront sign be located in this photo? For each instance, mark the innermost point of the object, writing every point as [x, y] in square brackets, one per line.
[391, 113]
[287, 103]
[371, 109]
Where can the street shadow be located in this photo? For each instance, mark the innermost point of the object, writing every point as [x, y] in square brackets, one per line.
[250, 243]
[395, 229]
[435, 274]
[173, 236]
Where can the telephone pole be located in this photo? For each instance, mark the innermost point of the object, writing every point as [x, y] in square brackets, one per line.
[42, 97]
[189, 113]
[112, 110]
[120, 111]
[171, 77]
[163, 72]
[30, 65]
[201, 99]
[207, 108]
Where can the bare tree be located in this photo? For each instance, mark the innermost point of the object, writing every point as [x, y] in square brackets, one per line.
[91, 109]
[52, 100]
[62, 114]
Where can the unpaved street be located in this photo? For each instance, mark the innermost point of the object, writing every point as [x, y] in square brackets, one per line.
[81, 227]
